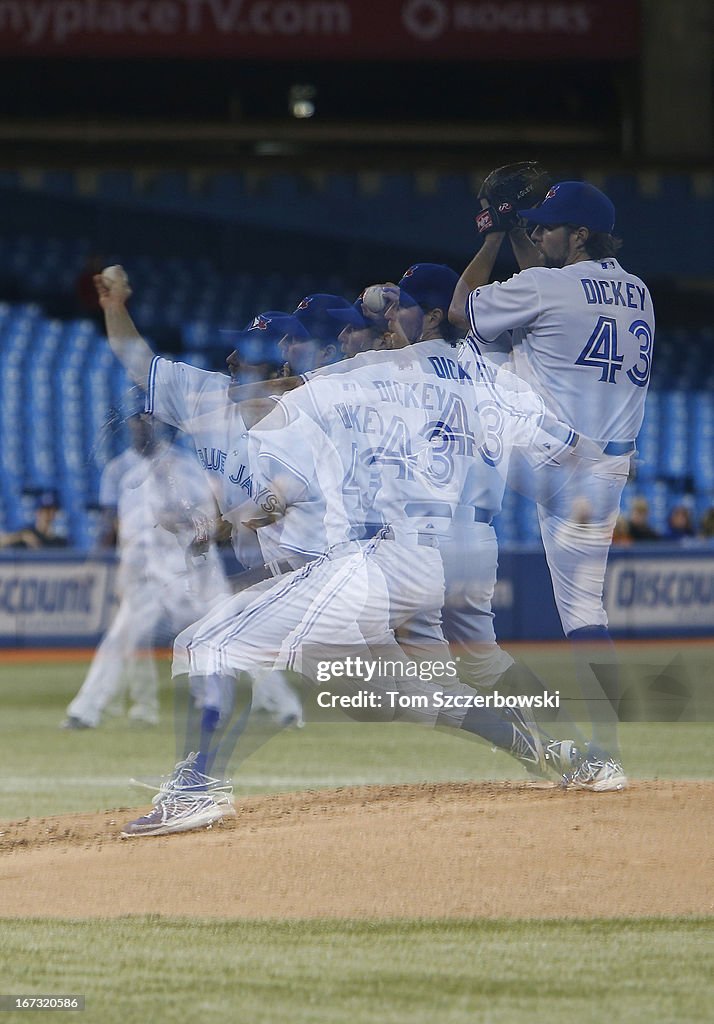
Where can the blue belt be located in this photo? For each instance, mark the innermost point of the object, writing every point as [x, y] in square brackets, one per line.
[482, 515]
[442, 510]
[619, 448]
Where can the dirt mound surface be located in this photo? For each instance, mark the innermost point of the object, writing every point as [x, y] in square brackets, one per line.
[446, 850]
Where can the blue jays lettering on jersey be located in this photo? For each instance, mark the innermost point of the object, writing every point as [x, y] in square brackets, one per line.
[197, 401]
[212, 459]
[240, 475]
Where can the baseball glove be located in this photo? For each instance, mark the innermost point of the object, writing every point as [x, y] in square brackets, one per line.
[508, 189]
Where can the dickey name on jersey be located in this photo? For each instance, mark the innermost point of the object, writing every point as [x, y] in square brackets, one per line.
[611, 292]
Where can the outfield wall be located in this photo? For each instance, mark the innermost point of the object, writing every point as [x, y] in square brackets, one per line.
[651, 590]
[60, 598]
[56, 599]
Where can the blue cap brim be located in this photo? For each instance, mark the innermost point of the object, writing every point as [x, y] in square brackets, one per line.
[349, 316]
[290, 324]
[536, 216]
[405, 299]
[279, 327]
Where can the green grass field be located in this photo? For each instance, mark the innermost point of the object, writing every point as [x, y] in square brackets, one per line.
[51, 771]
[411, 972]
[274, 972]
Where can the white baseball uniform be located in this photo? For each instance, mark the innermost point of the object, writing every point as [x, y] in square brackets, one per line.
[408, 433]
[583, 337]
[162, 589]
[198, 402]
[139, 672]
[110, 483]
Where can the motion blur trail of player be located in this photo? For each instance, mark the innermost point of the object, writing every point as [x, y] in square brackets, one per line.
[398, 435]
[162, 588]
[198, 402]
[582, 331]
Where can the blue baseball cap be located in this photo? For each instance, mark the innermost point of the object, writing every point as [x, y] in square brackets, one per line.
[315, 314]
[269, 327]
[48, 499]
[352, 316]
[574, 202]
[429, 285]
[258, 342]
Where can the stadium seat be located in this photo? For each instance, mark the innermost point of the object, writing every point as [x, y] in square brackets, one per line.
[197, 335]
[60, 182]
[673, 458]
[170, 187]
[701, 440]
[225, 191]
[117, 186]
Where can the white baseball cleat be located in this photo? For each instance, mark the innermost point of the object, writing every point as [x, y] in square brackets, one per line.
[561, 755]
[180, 812]
[186, 778]
[598, 774]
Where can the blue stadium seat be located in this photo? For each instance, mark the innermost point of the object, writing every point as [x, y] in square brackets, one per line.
[648, 439]
[196, 358]
[676, 187]
[673, 459]
[622, 188]
[657, 494]
[169, 187]
[283, 188]
[197, 335]
[118, 186]
[701, 439]
[456, 188]
[60, 182]
[225, 193]
[526, 519]
[341, 189]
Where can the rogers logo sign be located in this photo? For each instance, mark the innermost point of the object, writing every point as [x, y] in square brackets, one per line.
[425, 19]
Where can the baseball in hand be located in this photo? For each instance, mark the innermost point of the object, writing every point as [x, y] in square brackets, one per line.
[115, 275]
[374, 299]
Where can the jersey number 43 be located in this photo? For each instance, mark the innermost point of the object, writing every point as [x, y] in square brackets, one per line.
[601, 352]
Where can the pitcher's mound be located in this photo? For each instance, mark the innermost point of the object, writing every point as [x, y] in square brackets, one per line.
[444, 850]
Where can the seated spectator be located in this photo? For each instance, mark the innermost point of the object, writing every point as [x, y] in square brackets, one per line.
[706, 527]
[621, 533]
[639, 524]
[39, 534]
[679, 523]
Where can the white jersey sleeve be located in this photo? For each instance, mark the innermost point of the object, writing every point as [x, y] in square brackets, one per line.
[299, 463]
[501, 307]
[178, 393]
